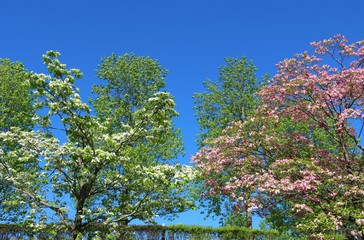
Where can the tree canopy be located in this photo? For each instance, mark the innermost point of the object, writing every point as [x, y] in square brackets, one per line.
[16, 110]
[232, 97]
[299, 158]
[15, 98]
[106, 163]
[289, 150]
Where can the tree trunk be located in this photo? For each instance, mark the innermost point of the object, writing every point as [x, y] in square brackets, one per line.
[74, 234]
[77, 228]
[249, 219]
[248, 213]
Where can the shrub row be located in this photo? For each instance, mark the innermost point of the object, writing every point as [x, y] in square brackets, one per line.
[179, 232]
[13, 231]
[147, 232]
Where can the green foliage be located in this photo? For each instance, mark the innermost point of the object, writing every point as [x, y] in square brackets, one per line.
[156, 232]
[231, 98]
[16, 110]
[199, 233]
[131, 83]
[298, 159]
[113, 164]
[17, 231]
[235, 220]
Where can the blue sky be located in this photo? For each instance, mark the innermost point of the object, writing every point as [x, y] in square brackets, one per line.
[189, 37]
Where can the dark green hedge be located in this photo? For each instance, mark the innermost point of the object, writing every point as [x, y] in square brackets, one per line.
[13, 231]
[147, 232]
[197, 232]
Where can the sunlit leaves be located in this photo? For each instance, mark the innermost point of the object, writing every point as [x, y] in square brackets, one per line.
[108, 163]
[300, 152]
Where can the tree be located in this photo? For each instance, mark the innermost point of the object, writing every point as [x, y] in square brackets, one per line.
[131, 82]
[15, 99]
[331, 99]
[301, 152]
[94, 163]
[15, 111]
[231, 163]
[231, 98]
[235, 219]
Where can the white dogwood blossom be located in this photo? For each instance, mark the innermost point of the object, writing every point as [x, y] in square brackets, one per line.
[111, 163]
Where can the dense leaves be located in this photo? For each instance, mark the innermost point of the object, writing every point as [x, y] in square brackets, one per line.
[231, 98]
[15, 99]
[300, 154]
[290, 151]
[105, 162]
[151, 232]
[132, 83]
[16, 110]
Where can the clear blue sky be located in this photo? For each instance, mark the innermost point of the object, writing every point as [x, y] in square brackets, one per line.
[189, 37]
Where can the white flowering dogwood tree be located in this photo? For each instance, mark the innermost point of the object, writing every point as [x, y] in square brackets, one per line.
[104, 163]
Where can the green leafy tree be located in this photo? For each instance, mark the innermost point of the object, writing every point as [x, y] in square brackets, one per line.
[231, 98]
[16, 110]
[106, 163]
[15, 99]
[131, 82]
[235, 220]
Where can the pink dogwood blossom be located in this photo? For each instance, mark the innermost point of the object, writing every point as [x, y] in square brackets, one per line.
[302, 147]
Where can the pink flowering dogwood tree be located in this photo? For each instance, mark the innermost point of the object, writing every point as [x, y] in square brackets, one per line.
[301, 155]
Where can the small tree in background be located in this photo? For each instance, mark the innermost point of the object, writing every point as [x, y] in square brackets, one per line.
[16, 110]
[15, 99]
[231, 98]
